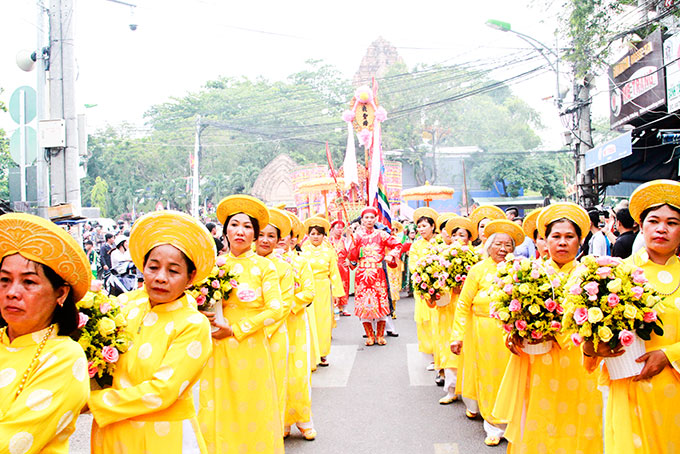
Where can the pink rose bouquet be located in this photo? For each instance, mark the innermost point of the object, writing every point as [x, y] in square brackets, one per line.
[526, 299]
[610, 301]
[102, 332]
[459, 258]
[214, 288]
[431, 276]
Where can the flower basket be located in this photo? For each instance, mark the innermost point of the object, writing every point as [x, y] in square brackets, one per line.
[526, 299]
[540, 348]
[210, 292]
[430, 277]
[610, 301]
[445, 299]
[625, 366]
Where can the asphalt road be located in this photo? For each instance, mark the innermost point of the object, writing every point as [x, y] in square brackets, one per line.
[377, 400]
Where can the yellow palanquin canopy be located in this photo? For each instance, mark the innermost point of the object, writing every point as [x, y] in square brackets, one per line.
[428, 193]
[321, 184]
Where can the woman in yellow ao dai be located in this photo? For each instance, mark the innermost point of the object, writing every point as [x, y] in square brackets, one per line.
[239, 409]
[643, 413]
[323, 261]
[552, 406]
[43, 373]
[478, 335]
[150, 407]
[422, 313]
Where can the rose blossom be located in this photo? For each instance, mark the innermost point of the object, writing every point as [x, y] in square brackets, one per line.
[96, 285]
[204, 290]
[507, 328]
[91, 369]
[104, 307]
[649, 316]
[221, 260]
[637, 292]
[575, 289]
[560, 309]
[536, 334]
[508, 289]
[592, 288]
[514, 305]
[639, 277]
[535, 274]
[221, 273]
[555, 325]
[458, 278]
[200, 300]
[215, 284]
[82, 319]
[626, 337]
[431, 291]
[521, 325]
[613, 299]
[576, 339]
[550, 304]
[603, 272]
[580, 315]
[555, 283]
[110, 354]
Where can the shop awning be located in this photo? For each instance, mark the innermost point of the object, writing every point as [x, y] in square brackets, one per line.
[610, 151]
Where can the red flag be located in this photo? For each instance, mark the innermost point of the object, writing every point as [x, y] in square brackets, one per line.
[330, 161]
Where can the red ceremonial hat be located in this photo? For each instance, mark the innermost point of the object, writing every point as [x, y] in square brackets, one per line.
[338, 221]
[369, 210]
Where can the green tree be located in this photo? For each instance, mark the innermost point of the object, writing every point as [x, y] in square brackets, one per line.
[5, 159]
[98, 194]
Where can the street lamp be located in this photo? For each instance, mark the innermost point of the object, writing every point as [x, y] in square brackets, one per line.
[536, 44]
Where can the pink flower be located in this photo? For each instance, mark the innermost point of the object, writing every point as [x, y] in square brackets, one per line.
[463, 277]
[605, 260]
[215, 284]
[96, 286]
[508, 289]
[201, 300]
[517, 266]
[555, 283]
[110, 354]
[221, 261]
[637, 292]
[580, 315]
[613, 299]
[555, 325]
[458, 278]
[639, 277]
[92, 369]
[575, 289]
[560, 309]
[221, 273]
[626, 337]
[467, 267]
[507, 328]
[603, 272]
[576, 339]
[233, 283]
[535, 274]
[536, 334]
[104, 307]
[204, 290]
[521, 325]
[649, 316]
[348, 116]
[550, 304]
[431, 291]
[82, 320]
[423, 286]
[592, 288]
[550, 271]
[514, 305]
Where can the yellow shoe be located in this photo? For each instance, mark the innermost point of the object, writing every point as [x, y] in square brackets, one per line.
[470, 415]
[492, 441]
[308, 434]
[286, 432]
[446, 400]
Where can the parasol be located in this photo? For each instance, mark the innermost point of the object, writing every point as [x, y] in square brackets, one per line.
[322, 185]
[428, 193]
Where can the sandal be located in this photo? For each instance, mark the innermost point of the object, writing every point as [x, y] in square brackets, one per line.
[470, 415]
[446, 400]
[324, 363]
[308, 434]
[492, 441]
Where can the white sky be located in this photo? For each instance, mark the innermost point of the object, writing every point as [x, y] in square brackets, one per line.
[180, 44]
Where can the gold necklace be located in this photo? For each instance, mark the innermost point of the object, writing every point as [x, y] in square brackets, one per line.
[41, 346]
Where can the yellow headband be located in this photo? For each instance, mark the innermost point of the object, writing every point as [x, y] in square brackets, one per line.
[280, 220]
[42, 241]
[486, 211]
[529, 223]
[505, 226]
[560, 210]
[243, 204]
[461, 222]
[654, 193]
[176, 229]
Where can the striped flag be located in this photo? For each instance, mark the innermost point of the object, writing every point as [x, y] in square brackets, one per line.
[376, 189]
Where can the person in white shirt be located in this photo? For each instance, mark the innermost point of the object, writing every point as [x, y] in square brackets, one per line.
[597, 245]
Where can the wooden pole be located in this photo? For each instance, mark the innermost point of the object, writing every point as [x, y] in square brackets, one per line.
[465, 193]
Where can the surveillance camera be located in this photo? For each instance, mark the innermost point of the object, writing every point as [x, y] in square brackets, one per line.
[133, 27]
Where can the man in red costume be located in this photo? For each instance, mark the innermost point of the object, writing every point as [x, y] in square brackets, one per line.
[369, 248]
[341, 248]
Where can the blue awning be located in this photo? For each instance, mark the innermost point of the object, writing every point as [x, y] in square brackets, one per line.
[611, 151]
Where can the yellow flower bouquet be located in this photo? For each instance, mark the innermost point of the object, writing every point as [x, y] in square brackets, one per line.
[431, 277]
[217, 286]
[526, 301]
[102, 334]
[459, 258]
[610, 301]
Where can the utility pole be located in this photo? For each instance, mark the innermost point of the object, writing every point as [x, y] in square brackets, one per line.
[587, 194]
[43, 183]
[64, 178]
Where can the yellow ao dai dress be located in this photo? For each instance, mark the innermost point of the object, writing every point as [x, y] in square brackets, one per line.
[551, 404]
[484, 353]
[422, 313]
[643, 417]
[238, 402]
[442, 325]
[278, 332]
[299, 398]
[150, 407]
[323, 261]
[43, 417]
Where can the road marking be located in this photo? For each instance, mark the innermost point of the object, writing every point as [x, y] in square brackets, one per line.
[341, 360]
[446, 448]
[417, 362]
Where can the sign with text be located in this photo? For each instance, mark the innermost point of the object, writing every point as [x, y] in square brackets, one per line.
[636, 82]
[611, 151]
[671, 59]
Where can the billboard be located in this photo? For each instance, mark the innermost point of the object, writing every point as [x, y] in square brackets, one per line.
[636, 82]
[611, 151]
[671, 59]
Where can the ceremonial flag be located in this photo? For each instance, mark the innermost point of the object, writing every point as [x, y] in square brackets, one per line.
[350, 163]
[376, 188]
